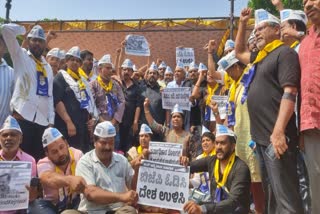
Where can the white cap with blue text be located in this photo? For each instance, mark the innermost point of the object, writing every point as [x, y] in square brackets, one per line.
[62, 54]
[37, 32]
[180, 65]
[153, 67]
[288, 14]
[105, 59]
[55, 52]
[145, 129]
[222, 130]
[228, 60]
[162, 65]
[134, 67]
[10, 124]
[168, 70]
[50, 135]
[193, 66]
[204, 130]
[229, 45]
[262, 16]
[251, 37]
[127, 63]
[105, 129]
[74, 51]
[176, 109]
[202, 67]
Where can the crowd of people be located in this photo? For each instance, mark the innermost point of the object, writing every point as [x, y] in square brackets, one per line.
[86, 124]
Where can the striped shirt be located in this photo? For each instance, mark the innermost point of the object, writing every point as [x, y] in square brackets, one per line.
[6, 89]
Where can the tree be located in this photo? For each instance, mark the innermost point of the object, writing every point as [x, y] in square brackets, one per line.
[267, 5]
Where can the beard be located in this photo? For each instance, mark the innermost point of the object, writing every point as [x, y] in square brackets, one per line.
[224, 155]
[36, 51]
[62, 161]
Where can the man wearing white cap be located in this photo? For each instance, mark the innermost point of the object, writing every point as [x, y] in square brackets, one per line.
[133, 99]
[229, 176]
[309, 53]
[53, 58]
[109, 176]
[10, 140]
[228, 46]
[108, 96]
[61, 187]
[74, 102]
[181, 81]
[6, 83]
[32, 100]
[168, 75]
[272, 120]
[161, 69]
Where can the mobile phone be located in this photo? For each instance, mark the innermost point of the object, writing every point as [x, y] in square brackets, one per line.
[270, 152]
[34, 182]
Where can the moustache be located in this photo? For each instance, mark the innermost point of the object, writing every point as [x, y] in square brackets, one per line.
[106, 150]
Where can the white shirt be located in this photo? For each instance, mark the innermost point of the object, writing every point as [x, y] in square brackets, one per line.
[6, 89]
[25, 101]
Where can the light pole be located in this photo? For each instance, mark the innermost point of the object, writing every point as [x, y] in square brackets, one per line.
[8, 7]
[231, 18]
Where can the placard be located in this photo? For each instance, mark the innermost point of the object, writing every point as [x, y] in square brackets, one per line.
[222, 106]
[163, 185]
[165, 152]
[14, 176]
[185, 55]
[137, 45]
[173, 96]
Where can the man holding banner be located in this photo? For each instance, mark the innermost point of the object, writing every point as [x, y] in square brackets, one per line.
[229, 176]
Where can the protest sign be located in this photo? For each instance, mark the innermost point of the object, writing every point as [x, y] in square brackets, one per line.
[185, 55]
[172, 96]
[14, 175]
[222, 106]
[137, 45]
[165, 152]
[163, 185]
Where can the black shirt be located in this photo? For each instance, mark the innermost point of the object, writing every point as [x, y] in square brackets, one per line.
[133, 99]
[279, 69]
[238, 184]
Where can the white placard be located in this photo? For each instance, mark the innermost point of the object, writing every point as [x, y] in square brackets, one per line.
[185, 55]
[165, 152]
[222, 106]
[137, 45]
[163, 185]
[172, 96]
[14, 176]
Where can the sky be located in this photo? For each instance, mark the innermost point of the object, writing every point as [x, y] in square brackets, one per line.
[32, 10]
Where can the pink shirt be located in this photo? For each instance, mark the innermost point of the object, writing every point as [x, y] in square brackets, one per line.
[21, 156]
[309, 53]
[46, 165]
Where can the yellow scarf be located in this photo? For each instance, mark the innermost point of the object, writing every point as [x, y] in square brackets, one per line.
[227, 81]
[211, 92]
[233, 88]
[226, 170]
[294, 45]
[106, 87]
[39, 66]
[62, 194]
[77, 78]
[213, 152]
[84, 74]
[139, 150]
[72, 165]
[267, 49]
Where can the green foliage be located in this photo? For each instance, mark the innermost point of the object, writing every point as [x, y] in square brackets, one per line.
[267, 5]
[48, 20]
